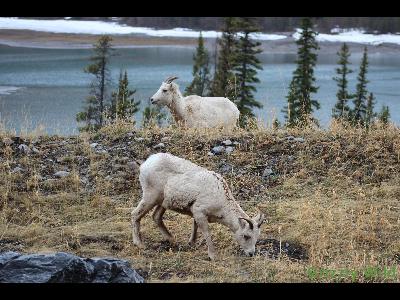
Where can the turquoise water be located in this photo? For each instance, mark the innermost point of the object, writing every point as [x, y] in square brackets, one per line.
[47, 87]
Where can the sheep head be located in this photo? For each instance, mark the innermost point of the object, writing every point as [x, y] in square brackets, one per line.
[248, 233]
[166, 92]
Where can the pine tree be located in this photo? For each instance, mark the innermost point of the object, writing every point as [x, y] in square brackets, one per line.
[291, 110]
[224, 81]
[96, 102]
[341, 109]
[360, 98]
[123, 104]
[384, 115]
[246, 66]
[369, 113]
[201, 72]
[303, 82]
[152, 115]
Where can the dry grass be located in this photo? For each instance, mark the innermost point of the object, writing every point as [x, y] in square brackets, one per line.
[337, 194]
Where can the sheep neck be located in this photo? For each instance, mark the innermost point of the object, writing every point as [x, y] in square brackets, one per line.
[177, 107]
[233, 214]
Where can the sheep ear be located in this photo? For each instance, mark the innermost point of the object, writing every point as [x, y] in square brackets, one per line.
[259, 219]
[243, 221]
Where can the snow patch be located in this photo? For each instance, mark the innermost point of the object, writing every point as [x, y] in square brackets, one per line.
[7, 90]
[100, 27]
[354, 36]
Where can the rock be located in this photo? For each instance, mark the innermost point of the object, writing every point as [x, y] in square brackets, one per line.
[295, 139]
[64, 267]
[17, 170]
[130, 134]
[166, 139]
[229, 149]
[35, 150]
[298, 139]
[236, 143]
[210, 153]
[103, 151]
[227, 143]
[267, 172]
[159, 146]
[225, 168]
[24, 148]
[218, 150]
[139, 139]
[61, 174]
[94, 145]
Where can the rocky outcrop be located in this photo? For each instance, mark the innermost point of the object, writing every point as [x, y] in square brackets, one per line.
[64, 267]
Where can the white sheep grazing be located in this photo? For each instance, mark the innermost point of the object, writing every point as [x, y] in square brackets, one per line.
[170, 182]
[196, 111]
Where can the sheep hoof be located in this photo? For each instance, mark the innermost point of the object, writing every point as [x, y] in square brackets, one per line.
[139, 245]
[211, 257]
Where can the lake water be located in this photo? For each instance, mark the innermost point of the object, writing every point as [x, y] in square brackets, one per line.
[48, 86]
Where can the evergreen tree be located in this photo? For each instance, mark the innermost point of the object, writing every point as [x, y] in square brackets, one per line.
[245, 68]
[201, 71]
[303, 82]
[369, 113]
[360, 99]
[96, 102]
[123, 104]
[152, 115]
[224, 81]
[341, 109]
[291, 110]
[384, 115]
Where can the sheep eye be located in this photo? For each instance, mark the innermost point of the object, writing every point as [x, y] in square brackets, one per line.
[164, 91]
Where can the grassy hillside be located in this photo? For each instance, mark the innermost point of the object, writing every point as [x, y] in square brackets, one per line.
[331, 195]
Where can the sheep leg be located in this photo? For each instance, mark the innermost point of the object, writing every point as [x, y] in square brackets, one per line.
[146, 204]
[202, 222]
[157, 217]
[193, 236]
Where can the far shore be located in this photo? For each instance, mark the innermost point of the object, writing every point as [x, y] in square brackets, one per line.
[46, 40]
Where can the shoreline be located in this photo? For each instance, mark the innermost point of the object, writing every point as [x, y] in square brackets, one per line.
[47, 40]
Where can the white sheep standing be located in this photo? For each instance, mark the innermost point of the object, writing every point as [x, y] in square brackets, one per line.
[170, 182]
[196, 111]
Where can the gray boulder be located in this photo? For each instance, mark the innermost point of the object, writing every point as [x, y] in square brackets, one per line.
[24, 148]
[64, 267]
[267, 172]
[227, 143]
[229, 149]
[218, 149]
[159, 146]
[61, 174]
